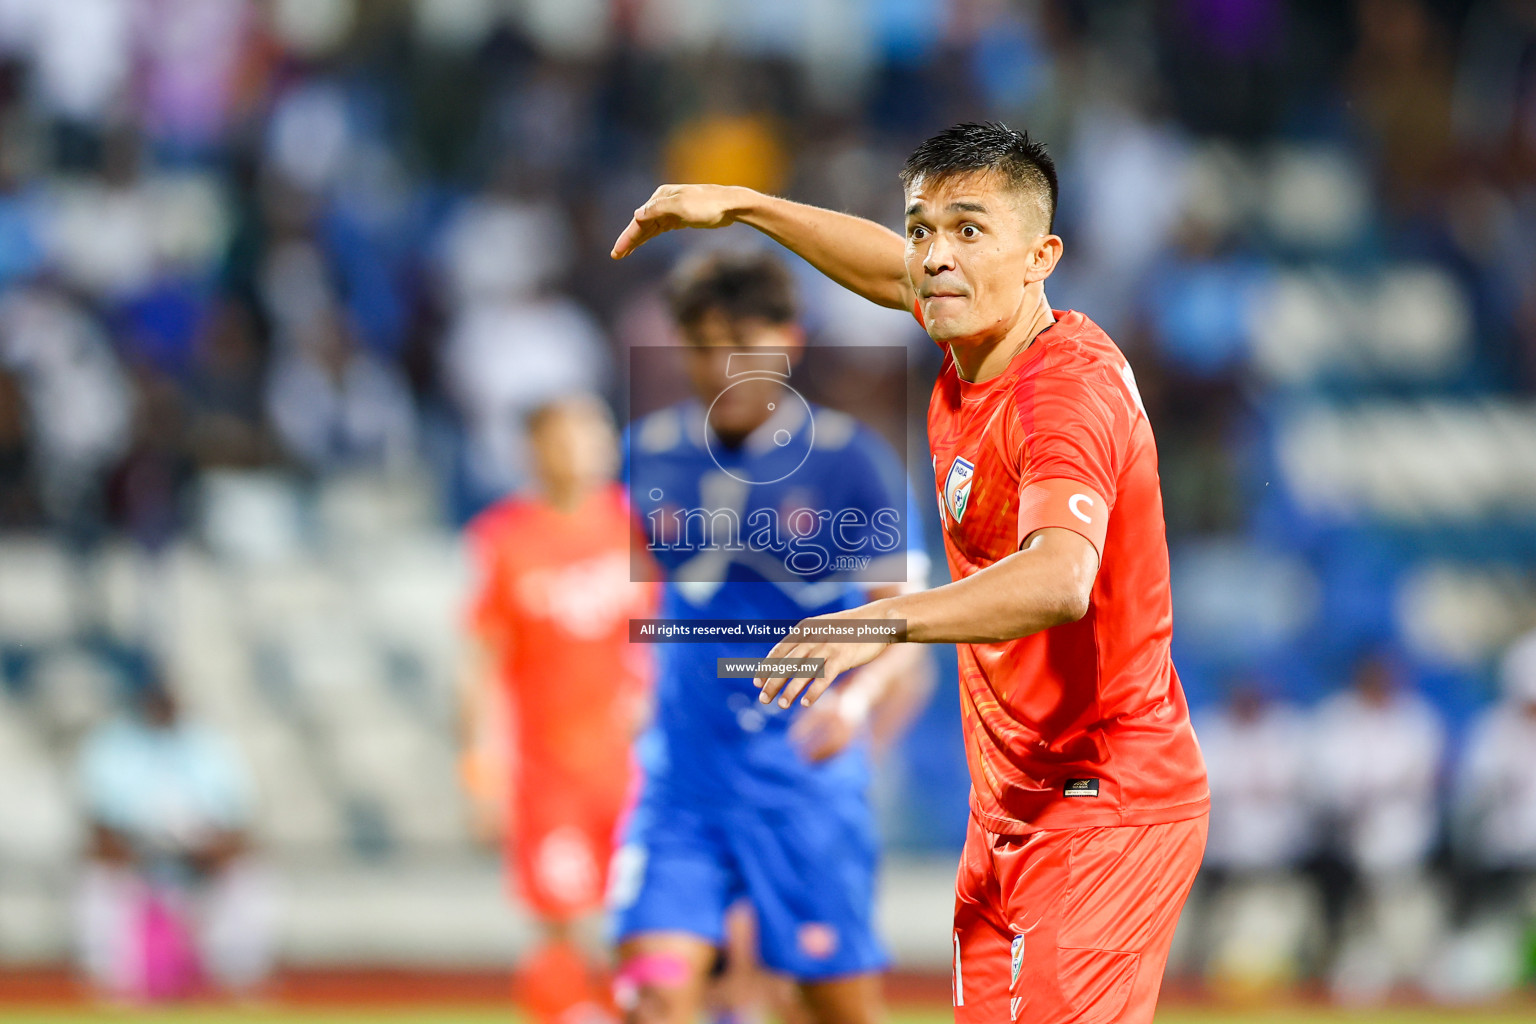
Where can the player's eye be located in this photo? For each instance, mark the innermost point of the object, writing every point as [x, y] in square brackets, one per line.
[917, 233]
[970, 231]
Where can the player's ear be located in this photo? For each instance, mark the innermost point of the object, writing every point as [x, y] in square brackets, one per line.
[1043, 258]
[791, 337]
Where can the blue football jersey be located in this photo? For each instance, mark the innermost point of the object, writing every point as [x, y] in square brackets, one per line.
[798, 520]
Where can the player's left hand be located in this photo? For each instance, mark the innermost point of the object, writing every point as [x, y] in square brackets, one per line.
[840, 656]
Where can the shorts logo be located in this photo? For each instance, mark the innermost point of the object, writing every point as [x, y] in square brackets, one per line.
[1080, 787]
[957, 487]
[1017, 953]
[817, 940]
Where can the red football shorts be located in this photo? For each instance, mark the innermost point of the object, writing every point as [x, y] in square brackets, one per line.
[1069, 925]
[561, 841]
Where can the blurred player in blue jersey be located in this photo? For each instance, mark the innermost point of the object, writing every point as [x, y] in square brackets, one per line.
[743, 801]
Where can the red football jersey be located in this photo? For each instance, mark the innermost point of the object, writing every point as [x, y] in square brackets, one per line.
[554, 599]
[1084, 724]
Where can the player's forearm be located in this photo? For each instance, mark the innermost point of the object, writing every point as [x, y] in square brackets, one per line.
[862, 256]
[1025, 593]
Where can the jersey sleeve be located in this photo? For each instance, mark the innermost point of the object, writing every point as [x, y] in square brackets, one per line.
[1069, 457]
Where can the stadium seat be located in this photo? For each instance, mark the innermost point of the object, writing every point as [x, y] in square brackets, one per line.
[37, 593]
[42, 824]
[296, 814]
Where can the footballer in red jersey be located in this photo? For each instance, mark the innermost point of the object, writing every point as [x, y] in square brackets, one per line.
[556, 682]
[1089, 799]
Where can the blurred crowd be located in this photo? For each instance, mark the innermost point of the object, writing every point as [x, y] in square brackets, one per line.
[1347, 847]
[331, 235]
[305, 240]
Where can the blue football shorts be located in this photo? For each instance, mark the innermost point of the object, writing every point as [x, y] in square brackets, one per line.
[808, 870]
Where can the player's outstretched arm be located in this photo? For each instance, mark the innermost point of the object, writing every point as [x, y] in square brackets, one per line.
[862, 256]
[1045, 583]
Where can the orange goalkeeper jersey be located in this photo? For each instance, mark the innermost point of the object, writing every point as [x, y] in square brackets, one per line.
[1084, 724]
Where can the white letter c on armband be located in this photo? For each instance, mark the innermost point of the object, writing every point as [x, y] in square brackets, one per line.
[1072, 506]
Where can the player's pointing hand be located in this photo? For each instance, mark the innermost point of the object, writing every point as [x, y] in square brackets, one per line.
[839, 656]
[679, 206]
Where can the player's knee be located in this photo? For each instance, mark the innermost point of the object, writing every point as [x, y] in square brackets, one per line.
[654, 988]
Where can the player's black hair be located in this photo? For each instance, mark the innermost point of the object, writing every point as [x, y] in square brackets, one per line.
[741, 285]
[987, 146]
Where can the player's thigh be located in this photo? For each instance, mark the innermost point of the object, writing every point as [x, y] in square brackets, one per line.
[661, 977]
[1092, 914]
[852, 1000]
[810, 873]
[980, 957]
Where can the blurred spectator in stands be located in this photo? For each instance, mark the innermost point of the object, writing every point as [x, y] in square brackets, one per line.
[171, 899]
[81, 55]
[195, 55]
[1496, 794]
[728, 144]
[514, 340]
[1132, 178]
[1373, 774]
[337, 406]
[77, 399]
[1256, 752]
[19, 505]
[145, 491]
[1255, 912]
[1400, 77]
[119, 233]
[226, 424]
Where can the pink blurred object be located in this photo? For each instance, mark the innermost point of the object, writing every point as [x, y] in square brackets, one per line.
[171, 968]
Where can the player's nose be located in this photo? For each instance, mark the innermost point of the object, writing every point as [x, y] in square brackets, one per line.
[939, 258]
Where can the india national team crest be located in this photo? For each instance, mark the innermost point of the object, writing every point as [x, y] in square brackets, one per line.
[957, 486]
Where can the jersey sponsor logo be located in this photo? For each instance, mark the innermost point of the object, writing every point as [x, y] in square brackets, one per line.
[1072, 503]
[1016, 952]
[1080, 787]
[566, 866]
[587, 599]
[817, 940]
[957, 487]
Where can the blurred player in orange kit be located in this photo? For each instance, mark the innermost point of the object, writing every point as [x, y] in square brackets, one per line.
[1088, 791]
[553, 682]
